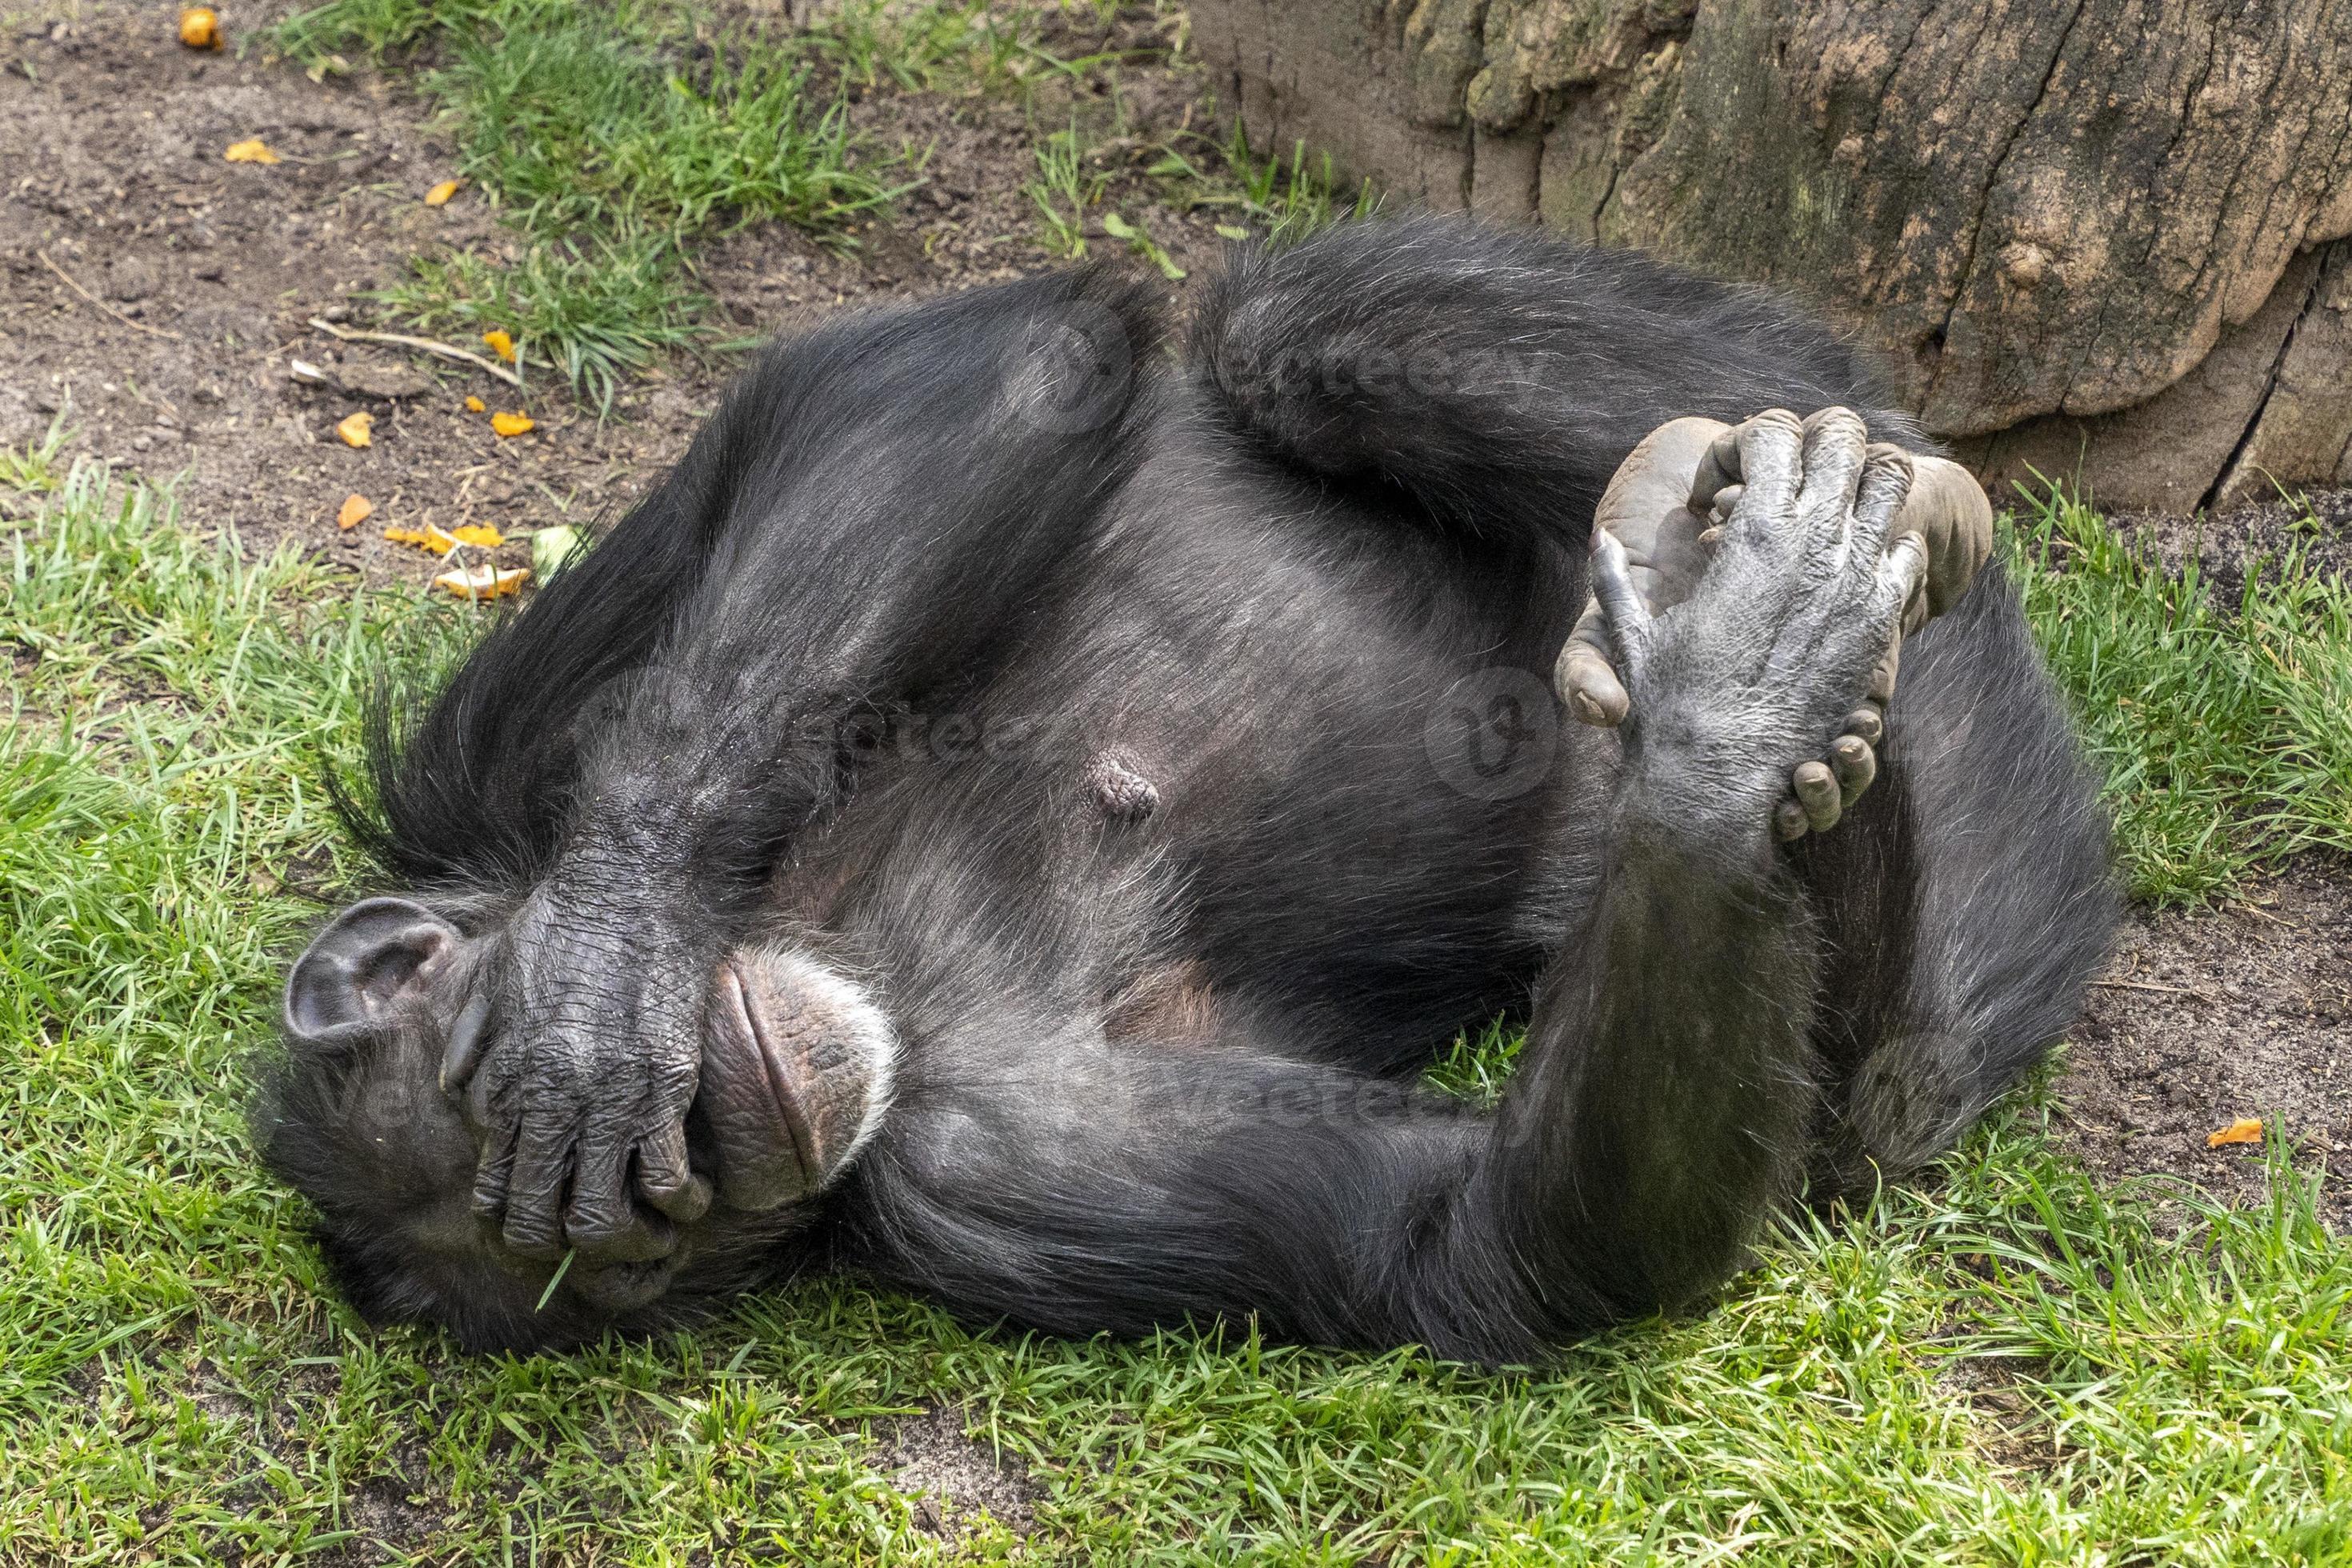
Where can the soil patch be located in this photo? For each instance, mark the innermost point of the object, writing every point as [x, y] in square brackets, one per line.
[202, 276]
[2225, 546]
[2209, 1016]
[953, 1478]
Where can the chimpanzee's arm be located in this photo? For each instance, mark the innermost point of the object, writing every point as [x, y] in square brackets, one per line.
[1661, 1102]
[877, 512]
[1658, 1111]
[905, 491]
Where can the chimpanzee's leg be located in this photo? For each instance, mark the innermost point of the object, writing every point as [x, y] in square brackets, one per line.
[1664, 1099]
[1493, 383]
[1967, 907]
[1496, 380]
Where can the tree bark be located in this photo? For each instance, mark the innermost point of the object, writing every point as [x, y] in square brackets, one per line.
[2098, 238]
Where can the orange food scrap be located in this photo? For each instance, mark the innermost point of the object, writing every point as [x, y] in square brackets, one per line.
[357, 509]
[511, 424]
[439, 195]
[2244, 1129]
[475, 404]
[501, 344]
[484, 581]
[357, 429]
[200, 28]
[480, 535]
[429, 537]
[255, 150]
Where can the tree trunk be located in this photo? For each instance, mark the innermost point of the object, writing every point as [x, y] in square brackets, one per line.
[2101, 238]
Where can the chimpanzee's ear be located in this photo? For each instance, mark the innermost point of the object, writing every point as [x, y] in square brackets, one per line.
[375, 957]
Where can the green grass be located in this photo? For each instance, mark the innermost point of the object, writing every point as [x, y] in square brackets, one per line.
[35, 467]
[614, 134]
[1279, 201]
[2224, 730]
[598, 310]
[610, 136]
[1065, 187]
[1282, 200]
[2007, 1365]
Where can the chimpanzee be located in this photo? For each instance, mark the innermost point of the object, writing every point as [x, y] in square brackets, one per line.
[1016, 808]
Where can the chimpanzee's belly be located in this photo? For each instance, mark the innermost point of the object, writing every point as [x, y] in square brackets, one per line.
[1339, 789]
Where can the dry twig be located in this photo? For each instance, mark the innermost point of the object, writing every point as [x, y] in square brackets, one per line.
[446, 351]
[66, 278]
[2150, 986]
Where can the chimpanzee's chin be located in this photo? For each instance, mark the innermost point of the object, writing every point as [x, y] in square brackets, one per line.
[623, 1287]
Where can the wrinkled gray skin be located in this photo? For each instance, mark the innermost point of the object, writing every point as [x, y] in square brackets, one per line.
[1666, 508]
[603, 1061]
[1780, 634]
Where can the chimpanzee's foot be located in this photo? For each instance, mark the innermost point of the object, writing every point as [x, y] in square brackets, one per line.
[1669, 529]
[1650, 509]
[1733, 690]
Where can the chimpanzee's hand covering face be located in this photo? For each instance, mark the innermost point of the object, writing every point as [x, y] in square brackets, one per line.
[591, 1060]
[789, 1075]
[1005, 813]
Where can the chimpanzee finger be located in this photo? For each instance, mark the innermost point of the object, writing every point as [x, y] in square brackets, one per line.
[599, 1219]
[1855, 766]
[464, 1052]
[1900, 572]
[1886, 478]
[1719, 475]
[1787, 820]
[665, 1178]
[1771, 462]
[1817, 791]
[1867, 723]
[1834, 444]
[1584, 677]
[494, 1170]
[1622, 605]
[1883, 675]
[542, 1166]
[1726, 501]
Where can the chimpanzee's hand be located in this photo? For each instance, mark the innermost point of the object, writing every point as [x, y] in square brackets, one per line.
[582, 1092]
[1667, 504]
[1744, 681]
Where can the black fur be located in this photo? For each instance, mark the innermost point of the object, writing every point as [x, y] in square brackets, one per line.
[850, 679]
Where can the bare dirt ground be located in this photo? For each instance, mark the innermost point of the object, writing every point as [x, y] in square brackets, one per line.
[954, 1478]
[2206, 1017]
[2317, 524]
[155, 295]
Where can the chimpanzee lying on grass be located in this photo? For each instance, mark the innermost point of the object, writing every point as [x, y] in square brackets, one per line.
[1015, 810]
